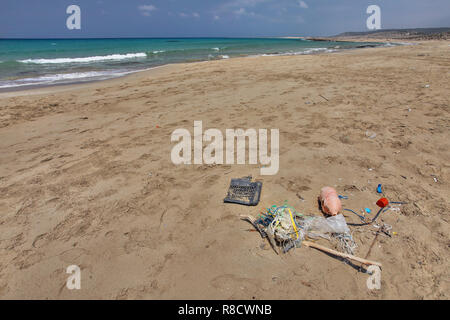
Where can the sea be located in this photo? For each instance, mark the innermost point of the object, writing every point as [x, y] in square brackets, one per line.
[37, 62]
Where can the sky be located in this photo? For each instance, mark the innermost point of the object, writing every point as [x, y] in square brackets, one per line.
[213, 18]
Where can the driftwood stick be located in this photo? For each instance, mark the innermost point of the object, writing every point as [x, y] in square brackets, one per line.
[371, 246]
[340, 254]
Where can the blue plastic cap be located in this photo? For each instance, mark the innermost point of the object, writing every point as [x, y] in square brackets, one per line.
[379, 189]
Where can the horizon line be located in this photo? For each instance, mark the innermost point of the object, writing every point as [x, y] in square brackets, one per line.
[227, 37]
[200, 37]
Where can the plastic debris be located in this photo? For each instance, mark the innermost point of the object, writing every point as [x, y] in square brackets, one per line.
[329, 200]
[346, 242]
[394, 208]
[379, 190]
[289, 227]
[360, 216]
[243, 191]
[371, 135]
[383, 202]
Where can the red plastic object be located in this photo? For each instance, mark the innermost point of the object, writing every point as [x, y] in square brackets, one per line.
[383, 202]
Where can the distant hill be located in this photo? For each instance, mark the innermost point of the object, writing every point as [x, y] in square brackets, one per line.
[411, 34]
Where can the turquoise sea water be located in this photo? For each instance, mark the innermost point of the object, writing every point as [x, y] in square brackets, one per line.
[51, 61]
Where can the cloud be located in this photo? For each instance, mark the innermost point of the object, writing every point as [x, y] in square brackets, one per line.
[145, 9]
[187, 15]
[303, 4]
[244, 12]
[237, 5]
[241, 11]
[260, 9]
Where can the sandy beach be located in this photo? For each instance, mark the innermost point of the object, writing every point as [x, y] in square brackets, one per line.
[86, 178]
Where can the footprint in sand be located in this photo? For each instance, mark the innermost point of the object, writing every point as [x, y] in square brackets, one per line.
[232, 284]
[27, 258]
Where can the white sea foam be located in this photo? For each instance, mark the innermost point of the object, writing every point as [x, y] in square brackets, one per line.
[86, 59]
[215, 49]
[306, 51]
[225, 56]
[64, 78]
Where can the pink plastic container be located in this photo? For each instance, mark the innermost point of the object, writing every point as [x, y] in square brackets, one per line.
[329, 199]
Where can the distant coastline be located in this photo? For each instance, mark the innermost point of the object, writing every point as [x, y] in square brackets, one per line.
[416, 34]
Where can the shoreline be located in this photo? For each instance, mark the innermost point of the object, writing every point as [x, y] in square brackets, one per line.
[26, 88]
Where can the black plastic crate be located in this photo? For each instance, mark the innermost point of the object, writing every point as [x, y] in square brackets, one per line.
[244, 191]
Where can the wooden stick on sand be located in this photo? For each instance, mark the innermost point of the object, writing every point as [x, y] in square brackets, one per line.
[340, 254]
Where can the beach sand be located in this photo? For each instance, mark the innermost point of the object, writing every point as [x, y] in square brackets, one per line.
[86, 178]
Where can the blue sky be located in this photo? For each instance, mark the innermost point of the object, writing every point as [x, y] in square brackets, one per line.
[213, 18]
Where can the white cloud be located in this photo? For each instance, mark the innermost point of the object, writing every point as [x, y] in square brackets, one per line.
[239, 4]
[239, 12]
[258, 9]
[303, 4]
[145, 9]
[244, 12]
[187, 15]
[246, 3]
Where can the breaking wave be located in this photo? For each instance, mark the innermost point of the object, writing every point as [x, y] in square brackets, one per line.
[63, 78]
[86, 59]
